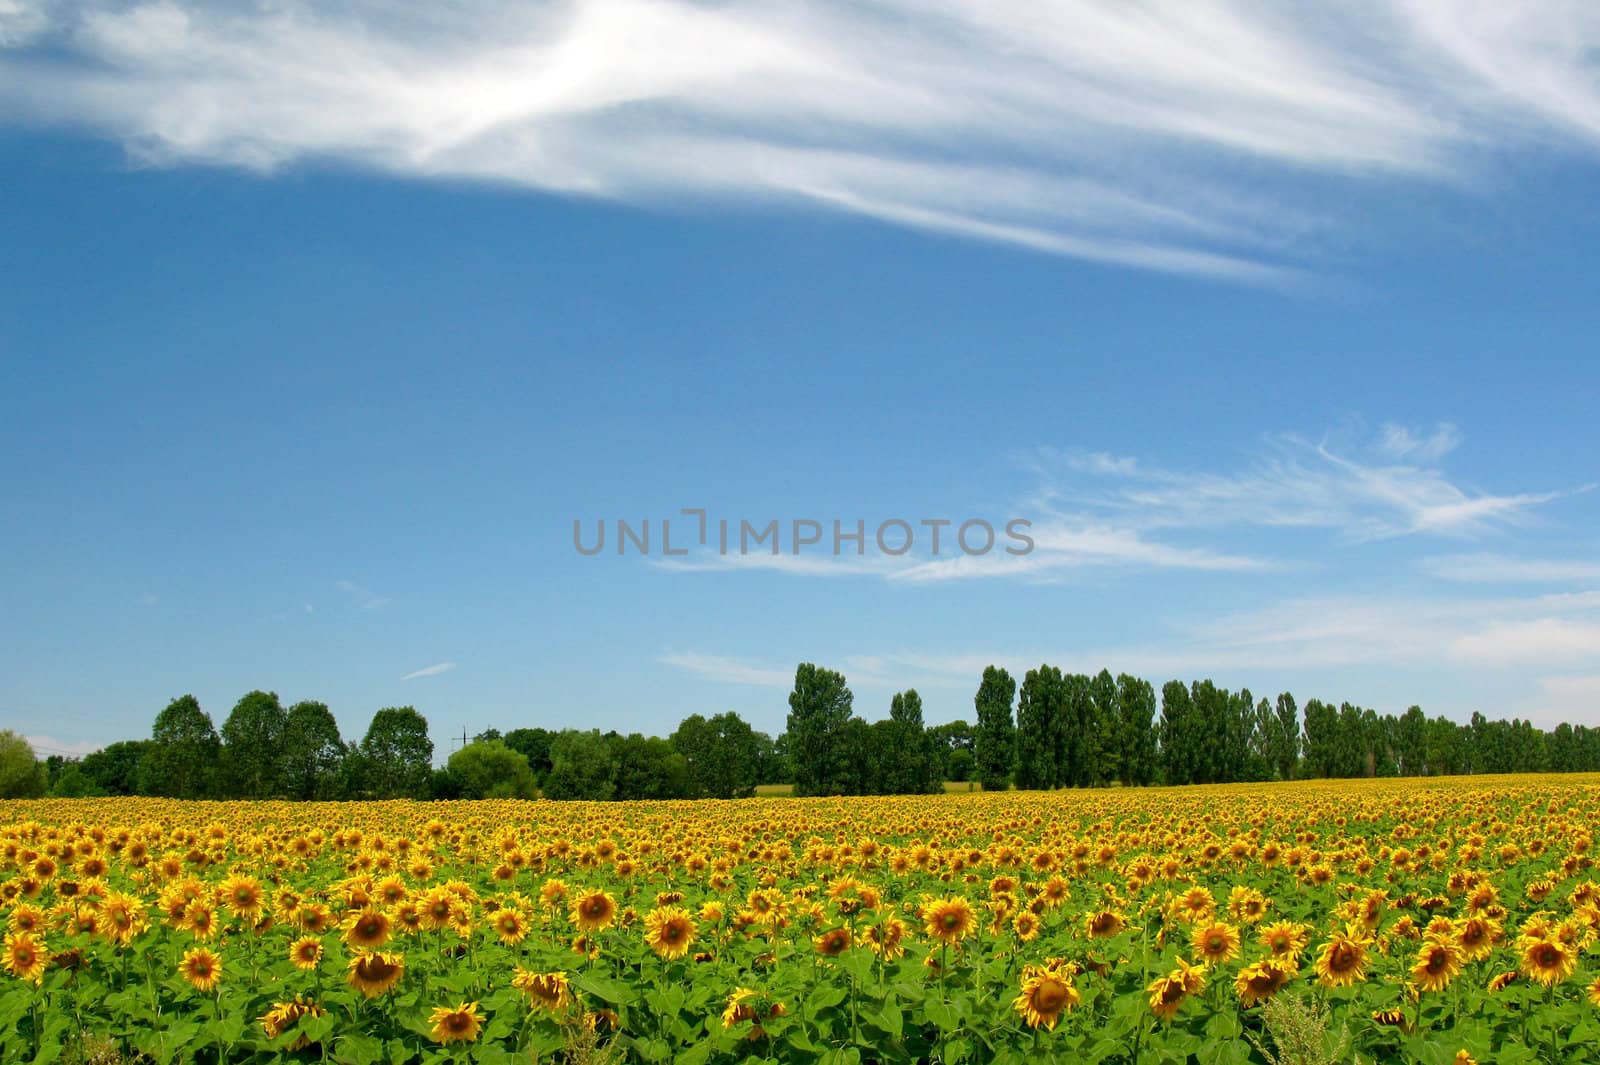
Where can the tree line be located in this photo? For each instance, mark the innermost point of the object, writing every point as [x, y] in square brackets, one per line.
[1055, 730]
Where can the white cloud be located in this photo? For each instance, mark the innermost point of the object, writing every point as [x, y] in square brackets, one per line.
[1363, 489]
[1571, 698]
[1486, 568]
[363, 598]
[1129, 133]
[729, 670]
[430, 671]
[1093, 511]
[44, 746]
[1400, 442]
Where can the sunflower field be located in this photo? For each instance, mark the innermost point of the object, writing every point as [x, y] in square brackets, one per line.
[1442, 921]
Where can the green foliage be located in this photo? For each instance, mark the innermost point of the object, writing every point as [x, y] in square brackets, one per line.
[252, 747]
[1298, 1031]
[647, 767]
[1041, 721]
[398, 753]
[312, 751]
[994, 741]
[819, 715]
[182, 760]
[488, 769]
[1136, 711]
[910, 762]
[581, 767]
[722, 756]
[22, 776]
[114, 769]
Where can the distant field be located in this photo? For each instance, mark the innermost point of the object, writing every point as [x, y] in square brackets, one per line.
[1438, 921]
[778, 791]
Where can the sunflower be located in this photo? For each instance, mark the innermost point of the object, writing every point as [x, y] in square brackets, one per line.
[199, 920]
[1215, 942]
[1168, 992]
[1438, 964]
[1343, 960]
[1103, 924]
[884, 938]
[438, 909]
[949, 920]
[508, 926]
[747, 1004]
[1246, 904]
[1046, 994]
[285, 1015]
[242, 896]
[1026, 925]
[122, 918]
[1547, 961]
[833, 942]
[670, 931]
[306, 952]
[594, 912]
[374, 973]
[459, 1025]
[1500, 981]
[367, 929]
[314, 917]
[26, 918]
[1594, 992]
[545, 991]
[201, 968]
[1476, 936]
[25, 956]
[1261, 980]
[1285, 939]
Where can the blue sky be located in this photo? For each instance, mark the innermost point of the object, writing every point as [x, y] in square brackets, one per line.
[319, 331]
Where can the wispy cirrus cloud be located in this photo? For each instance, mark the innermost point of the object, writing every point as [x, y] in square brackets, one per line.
[728, 669]
[1490, 568]
[1094, 512]
[430, 671]
[1140, 134]
[362, 597]
[1360, 486]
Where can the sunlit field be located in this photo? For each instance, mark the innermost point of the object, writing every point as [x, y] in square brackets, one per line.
[1437, 922]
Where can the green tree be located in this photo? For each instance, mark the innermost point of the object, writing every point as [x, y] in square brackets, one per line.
[252, 747]
[1136, 707]
[1321, 738]
[1286, 739]
[312, 752]
[1411, 742]
[910, 765]
[1180, 735]
[819, 714]
[1076, 729]
[581, 767]
[534, 743]
[722, 755]
[71, 782]
[1103, 747]
[398, 753]
[114, 768]
[488, 769]
[994, 740]
[1041, 713]
[22, 776]
[647, 767]
[181, 762]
